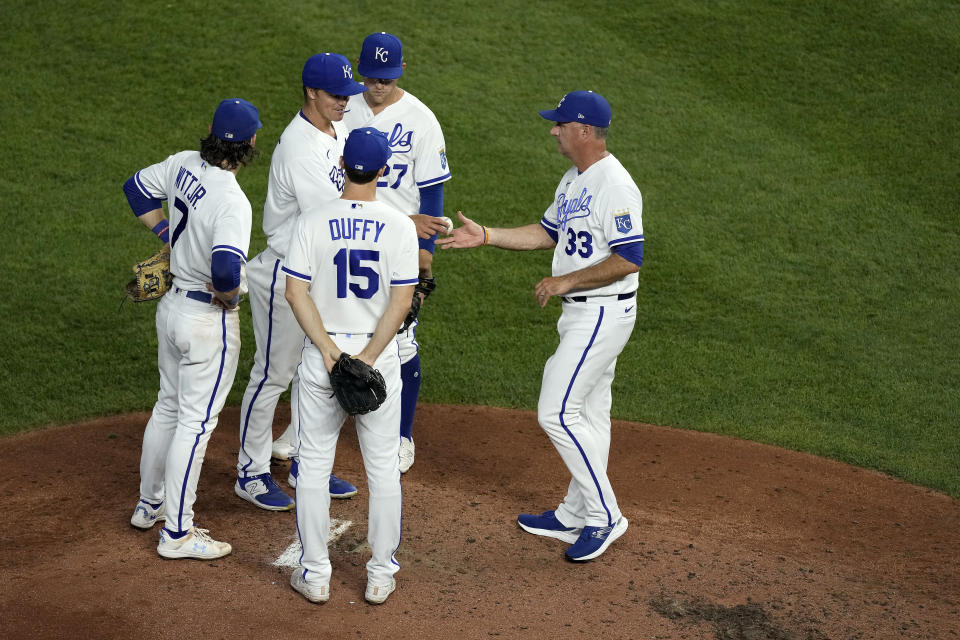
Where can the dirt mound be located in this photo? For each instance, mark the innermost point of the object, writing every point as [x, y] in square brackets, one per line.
[728, 539]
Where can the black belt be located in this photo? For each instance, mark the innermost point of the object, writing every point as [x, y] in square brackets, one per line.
[622, 296]
[199, 296]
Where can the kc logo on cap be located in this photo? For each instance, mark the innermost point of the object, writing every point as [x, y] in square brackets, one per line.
[381, 56]
[332, 73]
[581, 106]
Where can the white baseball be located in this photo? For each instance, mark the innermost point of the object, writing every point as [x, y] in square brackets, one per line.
[447, 221]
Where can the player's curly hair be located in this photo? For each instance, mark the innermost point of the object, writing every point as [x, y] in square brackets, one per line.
[225, 154]
[360, 177]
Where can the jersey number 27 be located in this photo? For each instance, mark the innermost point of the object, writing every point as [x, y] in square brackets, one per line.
[402, 171]
[350, 263]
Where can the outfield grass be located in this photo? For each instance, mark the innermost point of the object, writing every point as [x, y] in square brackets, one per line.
[798, 163]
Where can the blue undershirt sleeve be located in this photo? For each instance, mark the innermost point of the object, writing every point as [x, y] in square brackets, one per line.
[431, 204]
[632, 251]
[140, 203]
[225, 270]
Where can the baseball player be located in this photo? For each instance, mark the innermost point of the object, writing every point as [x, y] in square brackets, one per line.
[198, 326]
[304, 169]
[351, 269]
[594, 226]
[412, 183]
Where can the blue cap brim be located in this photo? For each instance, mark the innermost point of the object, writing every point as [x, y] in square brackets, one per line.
[553, 115]
[349, 88]
[382, 73]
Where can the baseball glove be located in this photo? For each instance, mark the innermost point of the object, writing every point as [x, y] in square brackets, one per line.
[152, 277]
[358, 386]
[424, 286]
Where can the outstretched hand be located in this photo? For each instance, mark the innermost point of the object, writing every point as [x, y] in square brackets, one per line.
[469, 235]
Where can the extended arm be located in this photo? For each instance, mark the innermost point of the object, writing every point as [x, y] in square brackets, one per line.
[525, 238]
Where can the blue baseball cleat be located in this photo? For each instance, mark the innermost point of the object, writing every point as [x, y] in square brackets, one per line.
[594, 540]
[339, 489]
[262, 491]
[546, 524]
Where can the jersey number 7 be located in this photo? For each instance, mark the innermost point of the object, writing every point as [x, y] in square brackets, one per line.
[180, 206]
[349, 263]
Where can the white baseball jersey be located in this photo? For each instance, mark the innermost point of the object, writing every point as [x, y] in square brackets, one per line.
[198, 342]
[593, 212]
[305, 168]
[208, 212]
[351, 253]
[419, 154]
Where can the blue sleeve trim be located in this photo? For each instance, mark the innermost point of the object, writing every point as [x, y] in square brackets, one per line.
[402, 283]
[427, 183]
[551, 230]
[431, 204]
[227, 247]
[225, 270]
[431, 200]
[139, 202]
[548, 224]
[298, 276]
[617, 241]
[632, 252]
[428, 244]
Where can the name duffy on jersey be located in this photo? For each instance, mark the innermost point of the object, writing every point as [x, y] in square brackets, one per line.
[356, 229]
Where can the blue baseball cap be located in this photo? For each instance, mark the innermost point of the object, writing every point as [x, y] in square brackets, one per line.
[235, 120]
[585, 107]
[381, 56]
[366, 149]
[332, 73]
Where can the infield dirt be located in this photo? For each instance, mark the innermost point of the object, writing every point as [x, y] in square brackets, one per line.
[728, 539]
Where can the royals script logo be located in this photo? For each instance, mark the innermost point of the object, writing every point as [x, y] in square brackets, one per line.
[572, 208]
[400, 141]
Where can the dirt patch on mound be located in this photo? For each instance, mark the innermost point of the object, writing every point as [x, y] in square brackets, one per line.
[727, 539]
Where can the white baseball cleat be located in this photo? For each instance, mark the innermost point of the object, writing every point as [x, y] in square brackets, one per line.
[196, 544]
[312, 593]
[406, 454]
[146, 514]
[282, 449]
[378, 593]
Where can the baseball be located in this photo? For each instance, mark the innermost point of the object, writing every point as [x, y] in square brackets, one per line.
[447, 221]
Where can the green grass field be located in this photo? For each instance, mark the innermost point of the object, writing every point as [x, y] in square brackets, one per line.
[798, 163]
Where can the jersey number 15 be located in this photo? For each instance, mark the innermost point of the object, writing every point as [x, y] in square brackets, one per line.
[350, 263]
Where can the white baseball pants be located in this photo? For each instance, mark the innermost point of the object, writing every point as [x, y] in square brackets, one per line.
[199, 345]
[321, 418]
[279, 343]
[575, 401]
